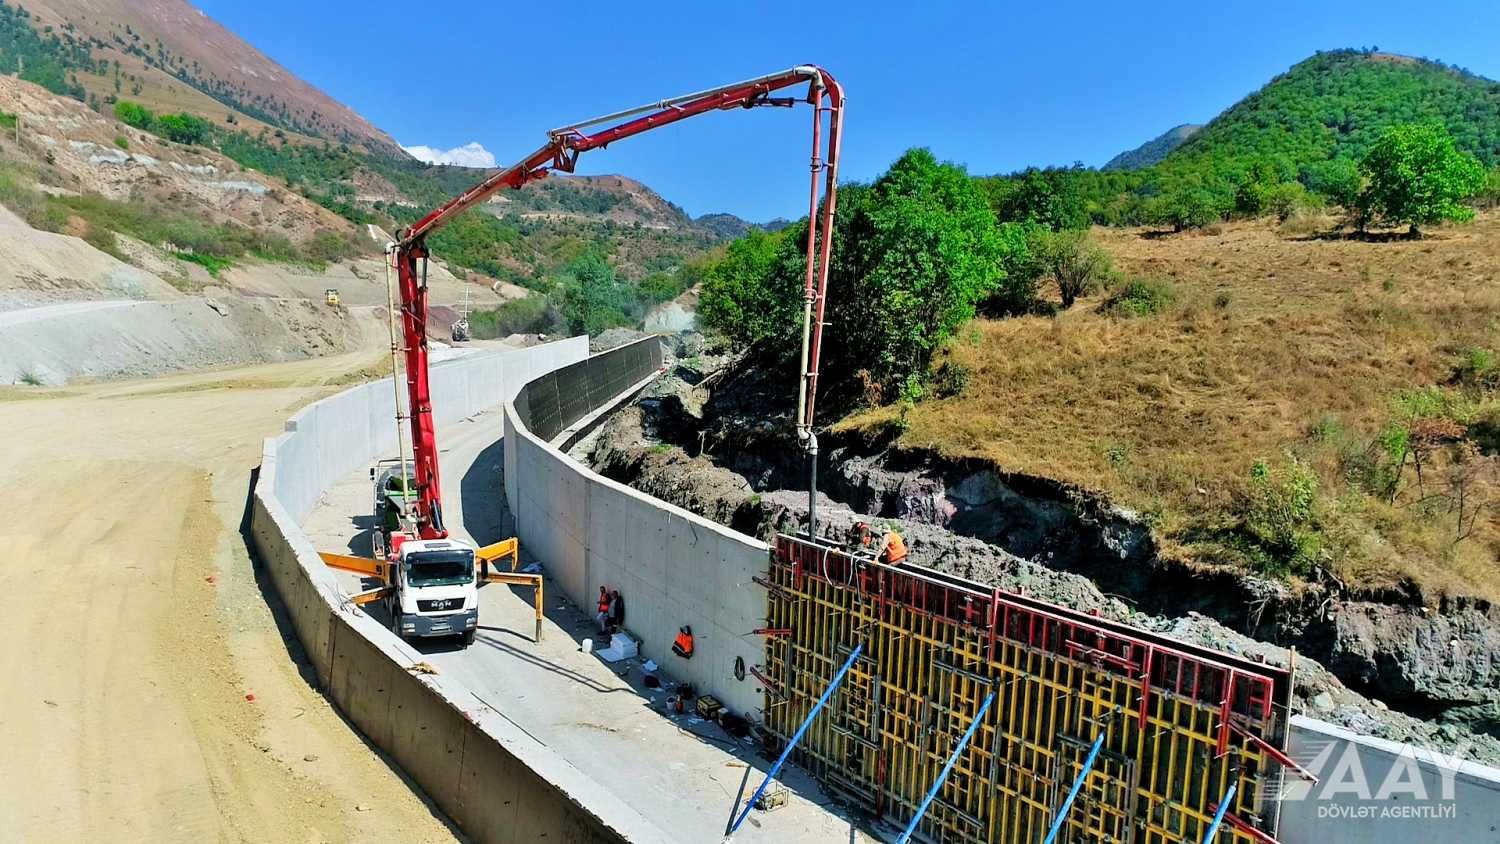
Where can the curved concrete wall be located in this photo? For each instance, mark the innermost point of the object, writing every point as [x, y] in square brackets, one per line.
[495, 781]
[673, 567]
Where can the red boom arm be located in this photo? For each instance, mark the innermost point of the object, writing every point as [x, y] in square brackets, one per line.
[561, 153]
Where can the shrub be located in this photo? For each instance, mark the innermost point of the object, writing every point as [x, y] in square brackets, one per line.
[213, 263]
[134, 114]
[122, 142]
[1280, 517]
[951, 379]
[1140, 297]
[182, 128]
[102, 239]
[1071, 259]
[1479, 367]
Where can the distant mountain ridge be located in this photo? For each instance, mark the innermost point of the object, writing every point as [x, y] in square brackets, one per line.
[1154, 150]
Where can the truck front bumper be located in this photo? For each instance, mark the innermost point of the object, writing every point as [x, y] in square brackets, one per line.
[447, 624]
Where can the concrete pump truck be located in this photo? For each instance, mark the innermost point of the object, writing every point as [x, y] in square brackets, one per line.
[428, 580]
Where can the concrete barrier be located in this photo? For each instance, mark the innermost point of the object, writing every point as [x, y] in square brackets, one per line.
[673, 567]
[496, 782]
[1373, 790]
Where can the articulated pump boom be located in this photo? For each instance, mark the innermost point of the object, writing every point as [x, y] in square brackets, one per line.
[561, 152]
[428, 582]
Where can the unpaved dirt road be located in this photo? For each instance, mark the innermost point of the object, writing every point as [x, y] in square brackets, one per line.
[146, 692]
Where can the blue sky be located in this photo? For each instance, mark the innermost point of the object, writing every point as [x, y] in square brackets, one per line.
[994, 87]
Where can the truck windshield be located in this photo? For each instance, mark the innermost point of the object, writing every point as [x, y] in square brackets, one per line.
[440, 568]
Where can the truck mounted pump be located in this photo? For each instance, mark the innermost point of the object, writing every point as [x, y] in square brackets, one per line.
[420, 497]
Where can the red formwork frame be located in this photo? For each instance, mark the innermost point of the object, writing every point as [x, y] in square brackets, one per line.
[1241, 689]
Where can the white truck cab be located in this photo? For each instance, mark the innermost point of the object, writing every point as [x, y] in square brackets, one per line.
[436, 589]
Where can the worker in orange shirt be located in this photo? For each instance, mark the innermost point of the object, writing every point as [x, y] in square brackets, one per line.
[895, 549]
[601, 616]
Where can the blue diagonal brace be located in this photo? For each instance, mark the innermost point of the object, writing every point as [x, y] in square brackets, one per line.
[947, 769]
[1062, 814]
[787, 751]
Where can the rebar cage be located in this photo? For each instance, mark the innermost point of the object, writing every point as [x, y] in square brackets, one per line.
[1180, 722]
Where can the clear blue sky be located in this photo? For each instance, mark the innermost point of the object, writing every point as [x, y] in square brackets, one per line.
[995, 87]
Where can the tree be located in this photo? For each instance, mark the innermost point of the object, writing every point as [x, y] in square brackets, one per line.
[1418, 177]
[735, 294]
[1053, 197]
[1074, 262]
[913, 254]
[591, 299]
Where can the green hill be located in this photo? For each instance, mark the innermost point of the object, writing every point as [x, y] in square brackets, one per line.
[1335, 104]
[1308, 126]
[1154, 150]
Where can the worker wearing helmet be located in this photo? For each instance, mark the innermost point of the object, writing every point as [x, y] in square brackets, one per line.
[895, 549]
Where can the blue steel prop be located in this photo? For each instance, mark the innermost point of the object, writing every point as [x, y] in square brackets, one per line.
[947, 769]
[787, 751]
[1062, 814]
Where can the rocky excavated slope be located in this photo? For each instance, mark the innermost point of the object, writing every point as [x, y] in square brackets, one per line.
[1425, 675]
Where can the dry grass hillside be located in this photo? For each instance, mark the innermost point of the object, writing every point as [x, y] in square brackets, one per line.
[172, 57]
[83, 152]
[1322, 359]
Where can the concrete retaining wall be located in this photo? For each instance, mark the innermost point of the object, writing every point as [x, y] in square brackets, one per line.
[495, 781]
[1373, 790]
[673, 567]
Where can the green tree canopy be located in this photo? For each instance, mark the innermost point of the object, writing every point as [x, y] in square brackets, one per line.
[591, 298]
[1419, 177]
[736, 292]
[913, 254]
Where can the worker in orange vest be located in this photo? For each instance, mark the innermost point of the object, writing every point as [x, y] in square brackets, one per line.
[895, 549]
[683, 647]
[601, 618]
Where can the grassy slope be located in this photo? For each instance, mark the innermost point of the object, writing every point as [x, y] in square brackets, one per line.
[1270, 337]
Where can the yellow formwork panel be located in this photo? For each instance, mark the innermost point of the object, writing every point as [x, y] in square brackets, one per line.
[1059, 681]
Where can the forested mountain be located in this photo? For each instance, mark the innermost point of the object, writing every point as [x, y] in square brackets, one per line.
[1154, 150]
[1335, 104]
[1306, 127]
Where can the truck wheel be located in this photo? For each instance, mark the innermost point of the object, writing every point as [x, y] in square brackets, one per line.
[396, 622]
[469, 637]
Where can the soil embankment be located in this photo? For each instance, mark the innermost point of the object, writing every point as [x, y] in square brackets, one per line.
[150, 693]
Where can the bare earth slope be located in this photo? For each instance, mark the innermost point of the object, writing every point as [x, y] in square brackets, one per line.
[148, 690]
[214, 58]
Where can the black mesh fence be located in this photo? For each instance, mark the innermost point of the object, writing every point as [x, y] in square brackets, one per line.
[551, 403]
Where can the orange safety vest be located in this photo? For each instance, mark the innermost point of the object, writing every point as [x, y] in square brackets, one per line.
[895, 548]
[683, 647]
[604, 603]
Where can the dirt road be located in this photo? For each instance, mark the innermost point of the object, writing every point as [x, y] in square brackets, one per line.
[147, 691]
